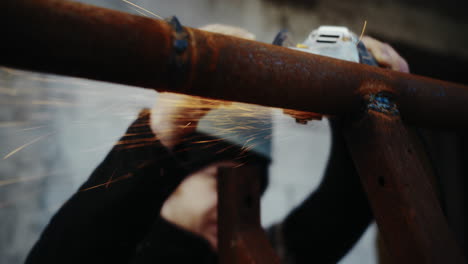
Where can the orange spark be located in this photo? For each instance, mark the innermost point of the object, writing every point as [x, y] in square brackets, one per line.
[25, 145]
[13, 123]
[138, 11]
[126, 176]
[21, 179]
[8, 91]
[363, 30]
[49, 102]
[32, 128]
[143, 9]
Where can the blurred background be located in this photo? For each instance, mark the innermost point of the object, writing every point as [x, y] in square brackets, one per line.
[55, 130]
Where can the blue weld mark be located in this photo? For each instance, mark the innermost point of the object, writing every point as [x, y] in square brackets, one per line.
[180, 45]
[382, 103]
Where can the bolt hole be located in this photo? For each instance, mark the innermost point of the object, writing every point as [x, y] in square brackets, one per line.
[410, 151]
[381, 181]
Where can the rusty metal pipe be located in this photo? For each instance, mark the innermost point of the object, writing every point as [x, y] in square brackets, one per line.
[74, 39]
[398, 178]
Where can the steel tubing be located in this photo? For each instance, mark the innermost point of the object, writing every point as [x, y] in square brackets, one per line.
[75, 39]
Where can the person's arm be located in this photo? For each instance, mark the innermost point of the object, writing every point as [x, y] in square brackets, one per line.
[109, 216]
[330, 221]
[113, 210]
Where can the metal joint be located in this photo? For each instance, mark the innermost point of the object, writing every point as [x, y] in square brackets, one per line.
[180, 35]
[383, 102]
[180, 59]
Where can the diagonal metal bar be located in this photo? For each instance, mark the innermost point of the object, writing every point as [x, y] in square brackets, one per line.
[397, 177]
[69, 38]
[242, 239]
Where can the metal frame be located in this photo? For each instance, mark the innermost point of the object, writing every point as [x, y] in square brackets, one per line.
[74, 39]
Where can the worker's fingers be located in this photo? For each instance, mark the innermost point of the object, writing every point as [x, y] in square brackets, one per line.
[385, 55]
[229, 30]
[174, 116]
[179, 109]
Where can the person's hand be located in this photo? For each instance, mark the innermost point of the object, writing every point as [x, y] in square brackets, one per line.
[174, 116]
[385, 55]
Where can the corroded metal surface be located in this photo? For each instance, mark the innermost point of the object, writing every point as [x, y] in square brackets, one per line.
[241, 237]
[398, 179]
[80, 40]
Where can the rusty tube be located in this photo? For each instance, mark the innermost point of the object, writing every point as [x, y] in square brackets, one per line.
[80, 40]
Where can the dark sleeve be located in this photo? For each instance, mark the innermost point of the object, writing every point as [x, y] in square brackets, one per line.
[104, 221]
[330, 221]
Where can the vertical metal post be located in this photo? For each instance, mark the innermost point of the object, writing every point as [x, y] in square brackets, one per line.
[398, 181]
[241, 238]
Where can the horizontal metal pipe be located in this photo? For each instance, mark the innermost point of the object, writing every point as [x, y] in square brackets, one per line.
[74, 39]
